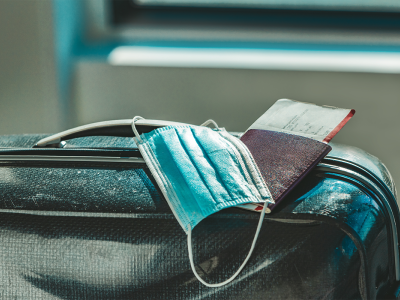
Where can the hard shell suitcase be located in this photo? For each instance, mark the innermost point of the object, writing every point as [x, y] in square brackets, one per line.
[81, 218]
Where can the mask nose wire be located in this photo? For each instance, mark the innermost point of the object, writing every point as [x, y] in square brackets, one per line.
[189, 243]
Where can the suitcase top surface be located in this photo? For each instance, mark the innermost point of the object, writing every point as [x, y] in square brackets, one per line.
[125, 146]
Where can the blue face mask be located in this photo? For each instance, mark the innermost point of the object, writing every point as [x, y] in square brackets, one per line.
[202, 171]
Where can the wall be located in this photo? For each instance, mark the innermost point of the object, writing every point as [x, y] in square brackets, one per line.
[28, 88]
[236, 98]
[29, 99]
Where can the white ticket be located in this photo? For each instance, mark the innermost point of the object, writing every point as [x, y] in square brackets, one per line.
[306, 119]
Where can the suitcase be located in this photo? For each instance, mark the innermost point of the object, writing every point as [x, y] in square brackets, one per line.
[82, 218]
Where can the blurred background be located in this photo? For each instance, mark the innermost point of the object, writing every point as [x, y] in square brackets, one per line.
[65, 63]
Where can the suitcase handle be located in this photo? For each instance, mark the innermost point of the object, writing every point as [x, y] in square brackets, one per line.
[121, 128]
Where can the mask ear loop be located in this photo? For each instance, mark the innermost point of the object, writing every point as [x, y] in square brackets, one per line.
[210, 121]
[134, 128]
[189, 243]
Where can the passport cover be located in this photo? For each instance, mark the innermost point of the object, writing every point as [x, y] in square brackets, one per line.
[283, 159]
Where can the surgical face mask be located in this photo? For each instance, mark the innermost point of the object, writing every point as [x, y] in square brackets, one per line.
[201, 171]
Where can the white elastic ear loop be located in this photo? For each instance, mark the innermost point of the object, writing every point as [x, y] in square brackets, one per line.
[134, 128]
[210, 121]
[189, 242]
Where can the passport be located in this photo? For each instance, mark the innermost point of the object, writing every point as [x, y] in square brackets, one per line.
[283, 159]
[289, 140]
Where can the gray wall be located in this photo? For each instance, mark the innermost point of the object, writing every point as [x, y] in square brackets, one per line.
[28, 91]
[234, 98]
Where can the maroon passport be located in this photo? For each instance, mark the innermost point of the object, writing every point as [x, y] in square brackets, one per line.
[283, 159]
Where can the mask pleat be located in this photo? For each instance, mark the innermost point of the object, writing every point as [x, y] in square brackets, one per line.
[192, 182]
[226, 164]
[199, 171]
[211, 179]
[176, 180]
